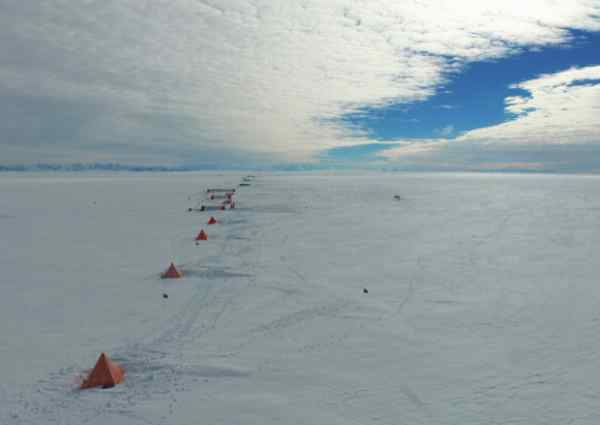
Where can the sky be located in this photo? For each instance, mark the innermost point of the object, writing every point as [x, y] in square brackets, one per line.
[399, 84]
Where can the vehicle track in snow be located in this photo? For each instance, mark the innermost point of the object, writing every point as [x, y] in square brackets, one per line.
[200, 315]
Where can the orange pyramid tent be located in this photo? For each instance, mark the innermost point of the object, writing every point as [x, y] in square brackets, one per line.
[171, 273]
[105, 374]
[212, 220]
[202, 236]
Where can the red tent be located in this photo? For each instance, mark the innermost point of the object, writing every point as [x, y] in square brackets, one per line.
[212, 220]
[202, 236]
[171, 273]
[105, 374]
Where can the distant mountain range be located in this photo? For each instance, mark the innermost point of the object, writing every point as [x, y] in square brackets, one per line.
[100, 166]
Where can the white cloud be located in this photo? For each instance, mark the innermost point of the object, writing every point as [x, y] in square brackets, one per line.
[412, 148]
[562, 108]
[185, 77]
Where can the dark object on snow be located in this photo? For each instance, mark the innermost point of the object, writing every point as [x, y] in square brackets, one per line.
[212, 207]
[165, 296]
[244, 184]
[365, 291]
[219, 190]
[397, 197]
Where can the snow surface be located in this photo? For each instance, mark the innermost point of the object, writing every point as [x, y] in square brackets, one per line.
[483, 303]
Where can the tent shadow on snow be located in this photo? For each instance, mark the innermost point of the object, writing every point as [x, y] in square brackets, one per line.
[149, 369]
[212, 273]
[280, 209]
[233, 221]
[143, 370]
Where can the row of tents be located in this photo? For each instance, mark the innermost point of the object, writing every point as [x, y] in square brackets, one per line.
[219, 199]
[106, 373]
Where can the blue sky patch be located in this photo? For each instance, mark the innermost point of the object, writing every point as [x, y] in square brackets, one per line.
[473, 98]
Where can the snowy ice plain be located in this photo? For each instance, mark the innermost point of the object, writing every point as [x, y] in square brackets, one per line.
[483, 303]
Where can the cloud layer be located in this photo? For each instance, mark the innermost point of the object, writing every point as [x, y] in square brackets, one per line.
[188, 79]
[561, 108]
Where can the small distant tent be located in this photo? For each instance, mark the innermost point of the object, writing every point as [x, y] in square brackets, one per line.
[202, 236]
[212, 220]
[171, 273]
[105, 374]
